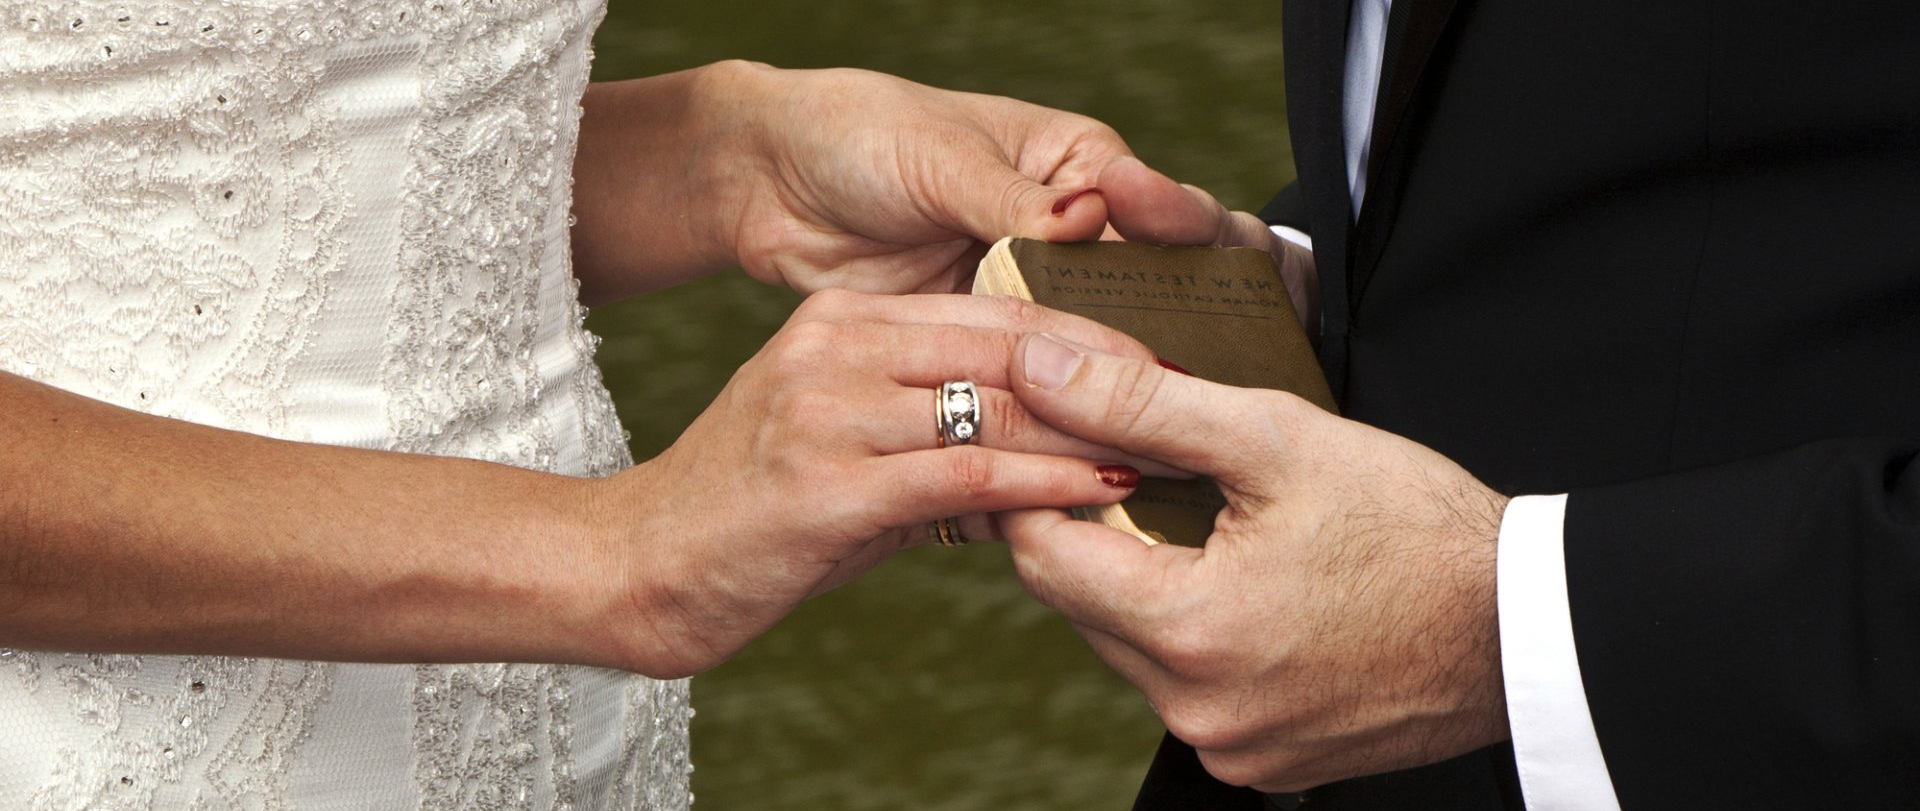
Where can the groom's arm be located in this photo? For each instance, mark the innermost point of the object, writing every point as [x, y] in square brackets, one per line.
[1556, 751]
[1748, 627]
[1555, 744]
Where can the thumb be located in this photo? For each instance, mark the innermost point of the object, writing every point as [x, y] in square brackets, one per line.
[1146, 206]
[1140, 408]
[1093, 574]
[998, 201]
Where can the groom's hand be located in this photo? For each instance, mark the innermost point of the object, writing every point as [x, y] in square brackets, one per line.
[1339, 622]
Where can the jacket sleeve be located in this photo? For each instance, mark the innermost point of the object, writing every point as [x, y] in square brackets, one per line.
[1749, 633]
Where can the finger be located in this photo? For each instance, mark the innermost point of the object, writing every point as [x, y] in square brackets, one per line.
[1147, 206]
[1095, 575]
[997, 313]
[1223, 431]
[914, 355]
[923, 356]
[906, 420]
[989, 199]
[921, 486]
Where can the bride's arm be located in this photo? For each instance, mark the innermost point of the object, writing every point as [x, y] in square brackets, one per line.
[126, 532]
[129, 532]
[815, 179]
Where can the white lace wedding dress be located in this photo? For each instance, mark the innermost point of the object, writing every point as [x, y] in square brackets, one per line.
[336, 221]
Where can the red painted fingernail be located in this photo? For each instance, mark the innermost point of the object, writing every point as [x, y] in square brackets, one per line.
[1060, 205]
[1170, 365]
[1120, 476]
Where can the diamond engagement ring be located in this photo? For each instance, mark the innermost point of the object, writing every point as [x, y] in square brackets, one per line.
[957, 411]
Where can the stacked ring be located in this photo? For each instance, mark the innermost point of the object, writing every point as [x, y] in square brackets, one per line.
[945, 533]
[956, 412]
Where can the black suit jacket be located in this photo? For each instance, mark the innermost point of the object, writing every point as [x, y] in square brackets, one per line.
[1663, 255]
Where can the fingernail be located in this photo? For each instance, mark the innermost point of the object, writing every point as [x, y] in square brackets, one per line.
[1120, 476]
[1049, 363]
[1170, 365]
[1060, 205]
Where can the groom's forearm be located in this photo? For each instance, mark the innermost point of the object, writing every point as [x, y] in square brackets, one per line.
[657, 160]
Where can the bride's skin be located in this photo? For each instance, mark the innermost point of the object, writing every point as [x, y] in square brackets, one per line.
[124, 532]
[820, 179]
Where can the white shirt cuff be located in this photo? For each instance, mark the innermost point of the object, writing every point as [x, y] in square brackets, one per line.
[1293, 235]
[1554, 744]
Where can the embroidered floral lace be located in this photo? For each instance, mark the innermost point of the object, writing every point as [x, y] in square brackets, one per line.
[338, 221]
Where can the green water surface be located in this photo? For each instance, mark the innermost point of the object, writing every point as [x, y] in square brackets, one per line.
[934, 683]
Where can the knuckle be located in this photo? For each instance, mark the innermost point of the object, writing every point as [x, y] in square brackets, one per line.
[1238, 769]
[1132, 396]
[1010, 422]
[1203, 727]
[1064, 484]
[826, 303]
[970, 473]
[1015, 314]
[805, 346]
[1247, 230]
[1021, 312]
[1190, 650]
[1102, 132]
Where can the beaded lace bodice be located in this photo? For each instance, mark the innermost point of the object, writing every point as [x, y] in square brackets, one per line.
[337, 221]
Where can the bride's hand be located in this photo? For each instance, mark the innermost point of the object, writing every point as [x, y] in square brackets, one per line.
[819, 460]
[1147, 206]
[823, 179]
[870, 182]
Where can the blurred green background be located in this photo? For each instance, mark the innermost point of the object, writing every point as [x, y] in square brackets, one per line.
[934, 683]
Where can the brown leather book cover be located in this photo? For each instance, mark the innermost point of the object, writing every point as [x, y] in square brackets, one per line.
[1221, 313]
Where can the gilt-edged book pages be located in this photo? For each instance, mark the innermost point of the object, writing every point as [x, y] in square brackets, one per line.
[1221, 313]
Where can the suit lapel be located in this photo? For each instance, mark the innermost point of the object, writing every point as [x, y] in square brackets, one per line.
[1316, 51]
[1414, 30]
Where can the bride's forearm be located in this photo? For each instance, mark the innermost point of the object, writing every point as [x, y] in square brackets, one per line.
[123, 532]
[651, 178]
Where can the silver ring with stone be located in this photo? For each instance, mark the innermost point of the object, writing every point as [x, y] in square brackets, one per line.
[957, 412]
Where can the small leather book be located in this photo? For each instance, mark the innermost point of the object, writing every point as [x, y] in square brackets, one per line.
[1221, 313]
